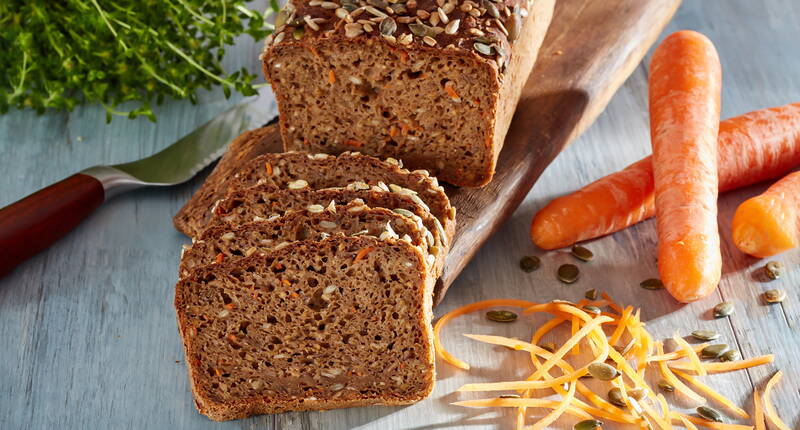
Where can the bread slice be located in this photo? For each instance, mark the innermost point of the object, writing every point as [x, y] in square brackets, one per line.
[225, 243]
[311, 326]
[299, 170]
[434, 83]
[191, 217]
[265, 201]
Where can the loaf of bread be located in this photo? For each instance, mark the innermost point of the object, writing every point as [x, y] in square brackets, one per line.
[434, 83]
[296, 170]
[190, 220]
[225, 243]
[263, 202]
[313, 325]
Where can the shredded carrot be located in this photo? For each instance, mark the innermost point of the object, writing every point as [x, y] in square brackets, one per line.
[693, 358]
[726, 366]
[574, 339]
[437, 328]
[710, 424]
[268, 166]
[611, 303]
[667, 374]
[758, 411]
[331, 77]
[557, 412]
[353, 142]
[515, 403]
[663, 423]
[623, 320]
[713, 394]
[686, 423]
[362, 253]
[669, 356]
[576, 350]
[448, 87]
[220, 258]
[772, 414]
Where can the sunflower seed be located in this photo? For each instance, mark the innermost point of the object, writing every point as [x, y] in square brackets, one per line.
[615, 397]
[774, 296]
[582, 253]
[482, 48]
[568, 273]
[529, 263]
[353, 29]
[298, 184]
[705, 335]
[591, 294]
[603, 371]
[666, 386]
[588, 425]
[731, 355]
[773, 270]
[652, 284]
[387, 26]
[709, 414]
[723, 309]
[452, 27]
[501, 316]
[714, 351]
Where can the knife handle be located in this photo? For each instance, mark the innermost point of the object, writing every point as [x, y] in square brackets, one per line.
[37, 221]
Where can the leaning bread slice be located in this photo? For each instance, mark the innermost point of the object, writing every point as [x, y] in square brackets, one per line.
[299, 170]
[224, 242]
[311, 326]
[265, 201]
[250, 144]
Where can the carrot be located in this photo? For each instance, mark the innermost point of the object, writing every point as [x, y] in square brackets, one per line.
[753, 147]
[771, 413]
[769, 223]
[758, 412]
[684, 96]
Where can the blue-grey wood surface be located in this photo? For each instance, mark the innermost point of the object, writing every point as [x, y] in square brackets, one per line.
[87, 331]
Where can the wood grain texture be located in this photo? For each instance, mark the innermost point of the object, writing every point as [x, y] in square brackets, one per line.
[87, 333]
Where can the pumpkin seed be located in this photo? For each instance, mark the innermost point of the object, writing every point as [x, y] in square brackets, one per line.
[588, 425]
[418, 29]
[705, 335]
[481, 48]
[582, 253]
[603, 371]
[510, 396]
[615, 397]
[501, 316]
[709, 414]
[652, 284]
[773, 270]
[594, 310]
[666, 386]
[298, 33]
[491, 9]
[529, 263]
[714, 351]
[731, 355]
[549, 347]
[723, 309]
[591, 294]
[774, 296]
[568, 273]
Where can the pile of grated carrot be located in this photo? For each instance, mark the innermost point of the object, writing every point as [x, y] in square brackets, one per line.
[551, 371]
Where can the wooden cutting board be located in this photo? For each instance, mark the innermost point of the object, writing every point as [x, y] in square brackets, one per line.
[591, 48]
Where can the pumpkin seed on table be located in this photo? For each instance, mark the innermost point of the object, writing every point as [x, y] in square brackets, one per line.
[501, 316]
[591, 294]
[568, 273]
[603, 371]
[731, 355]
[652, 284]
[666, 386]
[529, 263]
[714, 351]
[594, 310]
[774, 296]
[510, 396]
[723, 309]
[709, 414]
[549, 347]
[705, 335]
[588, 425]
[582, 253]
[615, 397]
[773, 270]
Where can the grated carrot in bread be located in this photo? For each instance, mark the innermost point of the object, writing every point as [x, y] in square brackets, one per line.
[713, 394]
[680, 387]
[772, 414]
[693, 358]
[727, 366]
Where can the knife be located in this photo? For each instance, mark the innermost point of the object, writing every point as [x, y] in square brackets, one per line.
[35, 222]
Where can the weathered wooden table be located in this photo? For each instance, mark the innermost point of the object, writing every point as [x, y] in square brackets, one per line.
[87, 331]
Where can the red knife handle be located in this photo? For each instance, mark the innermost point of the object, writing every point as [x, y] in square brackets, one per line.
[37, 221]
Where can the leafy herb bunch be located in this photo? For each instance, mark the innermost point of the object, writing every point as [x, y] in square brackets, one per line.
[58, 54]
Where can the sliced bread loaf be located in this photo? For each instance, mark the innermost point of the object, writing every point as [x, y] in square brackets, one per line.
[225, 242]
[297, 170]
[192, 216]
[265, 201]
[313, 325]
[434, 83]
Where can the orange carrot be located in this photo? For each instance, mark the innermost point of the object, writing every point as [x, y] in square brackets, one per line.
[769, 223]
[753, 147]
[685, 83]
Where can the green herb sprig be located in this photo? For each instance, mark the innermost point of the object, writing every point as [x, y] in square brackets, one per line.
[58, 54]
